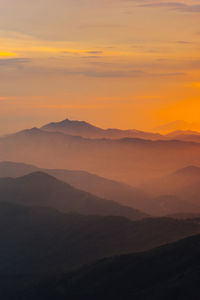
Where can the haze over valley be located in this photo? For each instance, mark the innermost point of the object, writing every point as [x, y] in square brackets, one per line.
[99, 150]
[71, 194]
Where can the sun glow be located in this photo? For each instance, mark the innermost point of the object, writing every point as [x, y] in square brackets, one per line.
[6, 54]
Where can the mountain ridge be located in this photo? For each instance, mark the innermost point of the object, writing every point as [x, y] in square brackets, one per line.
[92, 183]
[124, 160]
[38, 242]
[166, 272]
[39, 188]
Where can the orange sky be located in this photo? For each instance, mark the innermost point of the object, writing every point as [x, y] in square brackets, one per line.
[115, 63]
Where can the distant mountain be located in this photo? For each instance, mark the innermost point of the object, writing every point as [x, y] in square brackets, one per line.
[155, 205]
[86, 130]
[168, 272]
[190, 173]
[168, 204]
[175, 182]
[39, 243]
[96, 185]
[184, 135]
[185, 216]
[72, 127]
[13, 169]
[184, 185]
[128, 160]
[177, 125]
[176, 133]
[41, 189]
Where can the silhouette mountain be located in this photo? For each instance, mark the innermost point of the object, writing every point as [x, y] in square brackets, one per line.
[73, 127]
[157, 200]
[41, 189]
[40, 243]
[96, 185]
[195, 138]
[176, 133]
[84, 129]
[167, 204]
[176, 183]
[128, 160]
[179, 192]
[168, 272]
[177, 125]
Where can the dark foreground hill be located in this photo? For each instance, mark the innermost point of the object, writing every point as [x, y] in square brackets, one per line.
[171, 272]
[40, 242]
[41, 189]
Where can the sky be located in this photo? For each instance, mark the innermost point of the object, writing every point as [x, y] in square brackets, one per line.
[114, 63]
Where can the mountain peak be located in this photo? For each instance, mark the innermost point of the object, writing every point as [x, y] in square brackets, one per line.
[68, 122]
[189, 170]
[177, 125]
[73, 127]
[33, 130]
[38, 176]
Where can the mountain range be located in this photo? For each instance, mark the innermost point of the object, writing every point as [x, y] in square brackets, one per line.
[163, 196]
[87, 130]
[177, 125]
[129, 160]
[91, 183]
[41, 189]
[184, 184]
[38, 243]
[81, 216]
[168, 272]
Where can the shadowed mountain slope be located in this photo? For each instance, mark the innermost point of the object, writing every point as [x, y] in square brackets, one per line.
[128, 160]
[188, 136]
[184, 184]
[157, 205]
[84, 129]
[41, 189]
[164, 205]
[168, 272]
[40, 242]
[96, 185]
[174, 182]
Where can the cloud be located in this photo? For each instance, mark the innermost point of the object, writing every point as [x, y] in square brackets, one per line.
[163, 4]
[184, 42]
[95, 69]
[81, 52]
[4, 98]
[14, 61]
[99, 73]
[95, 52]
[111, 73]
[92, 56]
[178, 6]
[102, 25]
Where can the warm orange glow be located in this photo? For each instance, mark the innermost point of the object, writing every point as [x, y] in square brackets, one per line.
[6, 54]
[137, 65]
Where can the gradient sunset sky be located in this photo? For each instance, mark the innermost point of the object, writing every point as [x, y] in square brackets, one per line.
[115, 63]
